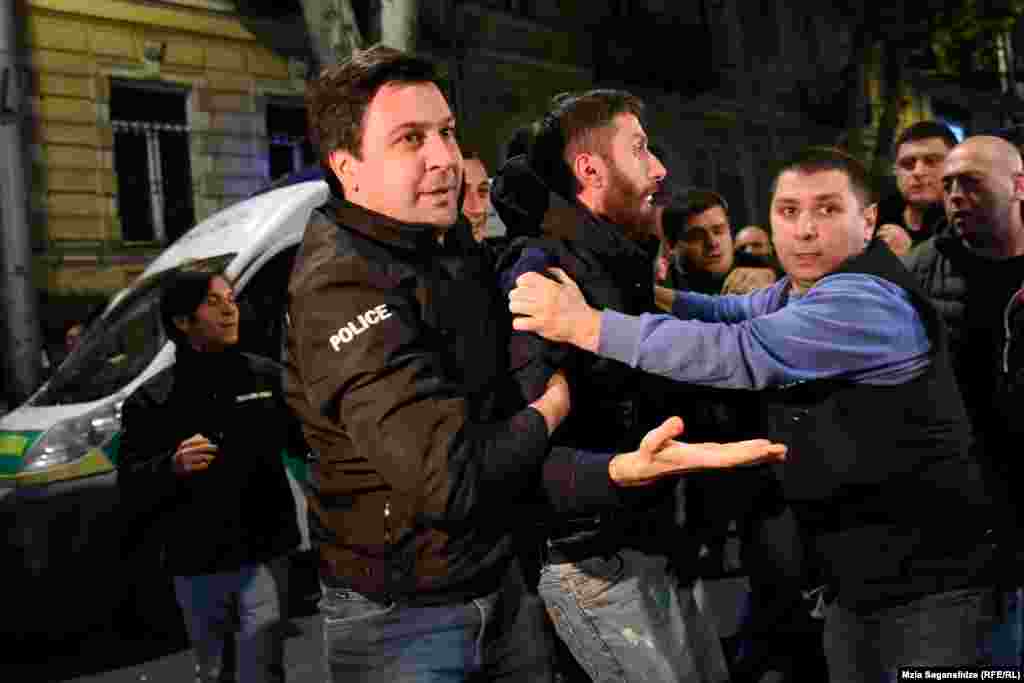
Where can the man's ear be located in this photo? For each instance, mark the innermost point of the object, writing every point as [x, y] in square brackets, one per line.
[870, 218]
[344, 166]
[589, 170]
[1018, 186]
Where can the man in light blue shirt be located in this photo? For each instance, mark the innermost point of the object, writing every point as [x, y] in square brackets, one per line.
[853, 362]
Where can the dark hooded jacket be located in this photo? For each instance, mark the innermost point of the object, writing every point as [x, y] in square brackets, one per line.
[613, 405]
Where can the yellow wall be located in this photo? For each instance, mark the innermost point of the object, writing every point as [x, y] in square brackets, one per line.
[75, 48]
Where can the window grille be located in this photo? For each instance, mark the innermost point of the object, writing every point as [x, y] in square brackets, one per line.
[152, 160]
[151, 131]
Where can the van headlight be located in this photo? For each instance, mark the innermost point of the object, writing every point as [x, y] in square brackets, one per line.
[69, 440]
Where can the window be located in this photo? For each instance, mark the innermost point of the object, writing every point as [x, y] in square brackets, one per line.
[290, 149]
[151, 160]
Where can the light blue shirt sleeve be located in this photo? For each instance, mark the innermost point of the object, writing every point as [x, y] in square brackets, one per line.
[848, 326]
[728, 308]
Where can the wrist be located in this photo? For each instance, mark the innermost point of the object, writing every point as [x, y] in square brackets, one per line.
[587, 333]
[618, 469]
[664, 298]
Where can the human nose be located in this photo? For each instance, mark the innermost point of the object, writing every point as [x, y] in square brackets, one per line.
[442, 152]
[658, 171]
[806, 225]
[953, 191]
[472, 202]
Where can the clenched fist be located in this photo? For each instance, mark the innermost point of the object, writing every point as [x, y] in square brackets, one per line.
[194, 454]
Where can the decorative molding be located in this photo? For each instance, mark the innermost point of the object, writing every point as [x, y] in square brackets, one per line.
[164, 14]
[222, 6]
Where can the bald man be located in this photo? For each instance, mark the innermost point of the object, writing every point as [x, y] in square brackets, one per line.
[754, 240]
[974, 270]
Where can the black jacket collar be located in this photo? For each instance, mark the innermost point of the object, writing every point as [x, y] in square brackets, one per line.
[204, 366]
[609, 243]
[418, 237]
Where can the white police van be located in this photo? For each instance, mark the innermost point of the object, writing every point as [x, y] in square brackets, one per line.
[58, 451]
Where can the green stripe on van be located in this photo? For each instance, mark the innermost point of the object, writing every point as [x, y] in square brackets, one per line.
[13, 446]
[113, 449]
[296, 465]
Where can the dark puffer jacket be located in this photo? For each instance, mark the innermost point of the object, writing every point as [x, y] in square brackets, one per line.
[934, 263]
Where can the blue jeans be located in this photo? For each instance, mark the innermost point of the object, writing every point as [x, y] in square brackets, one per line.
[626, 618]
[958, 628]
[499, 636]
[1005, 644]
[247, 602]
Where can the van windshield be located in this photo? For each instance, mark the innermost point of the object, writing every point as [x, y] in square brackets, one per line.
[120, 344]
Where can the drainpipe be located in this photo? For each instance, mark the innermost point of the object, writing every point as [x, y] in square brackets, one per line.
[398, 19]
[21, 345]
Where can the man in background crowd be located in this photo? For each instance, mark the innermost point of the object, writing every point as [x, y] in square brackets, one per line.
[919, 153]
[754, 240]
[699, 237]
[476, 198]
[701, 258]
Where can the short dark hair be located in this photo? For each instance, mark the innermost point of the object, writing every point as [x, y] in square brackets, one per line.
[924, 130]
[817, 159]
[182, 295]
[696, 201]
[336, 101]
[575, 124]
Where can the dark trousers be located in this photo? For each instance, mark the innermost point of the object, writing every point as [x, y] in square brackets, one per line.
[946, 629]
[778, 632]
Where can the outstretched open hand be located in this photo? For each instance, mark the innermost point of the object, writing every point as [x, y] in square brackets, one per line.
[660, 455]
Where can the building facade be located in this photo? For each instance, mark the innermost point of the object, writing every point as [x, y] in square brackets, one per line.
[146, 117]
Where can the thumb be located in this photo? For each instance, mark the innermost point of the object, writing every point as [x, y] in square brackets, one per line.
[560, 274]
[656, 438]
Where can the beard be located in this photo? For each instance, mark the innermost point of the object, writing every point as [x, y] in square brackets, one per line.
[627, 206]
